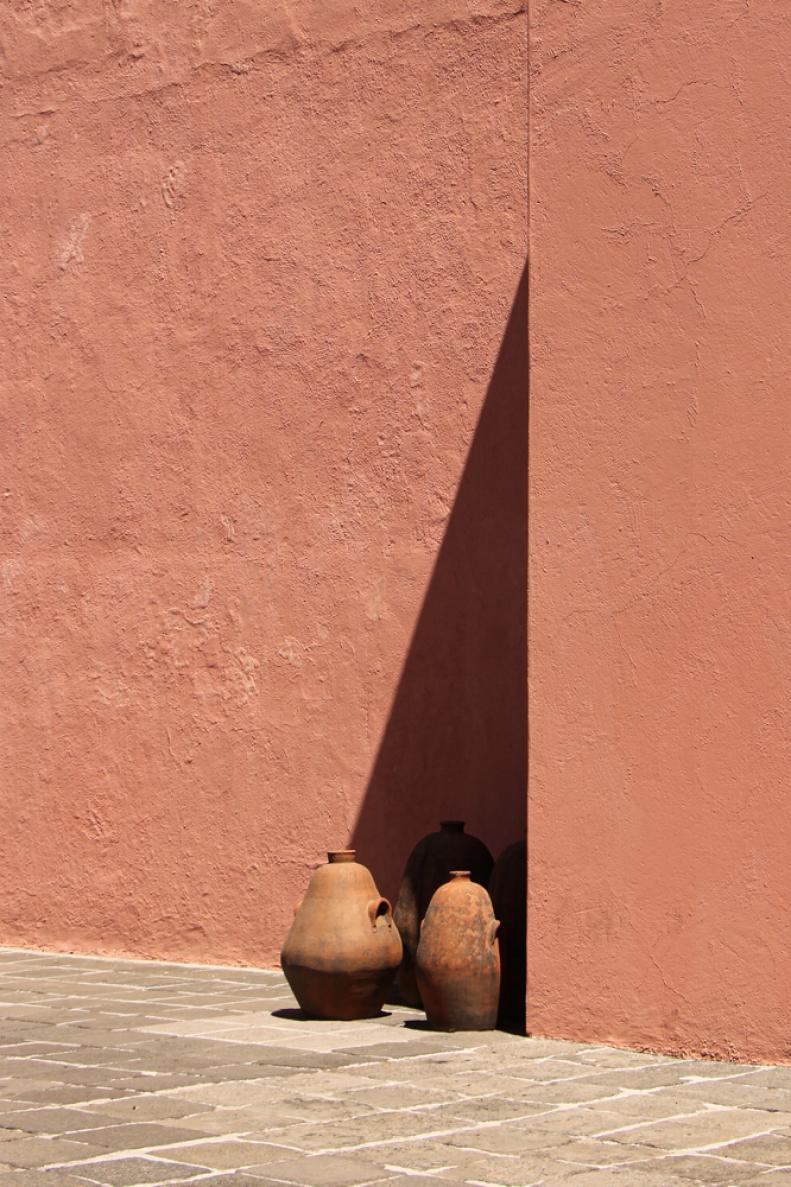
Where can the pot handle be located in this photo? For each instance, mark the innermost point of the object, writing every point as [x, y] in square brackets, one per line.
[377, 909]
[494, 927]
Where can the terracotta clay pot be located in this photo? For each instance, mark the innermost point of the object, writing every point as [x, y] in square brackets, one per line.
[458, 957]
[429, 866]
[343, 949]
[508, 891]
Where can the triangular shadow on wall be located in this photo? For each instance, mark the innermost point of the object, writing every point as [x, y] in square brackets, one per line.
[455, 742]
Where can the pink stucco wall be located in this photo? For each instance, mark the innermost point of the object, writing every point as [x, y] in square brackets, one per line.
[660, 472]
[258, 264]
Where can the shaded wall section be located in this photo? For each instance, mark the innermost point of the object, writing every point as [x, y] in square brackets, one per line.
[455, 743]
[660, 471]
[257, 263]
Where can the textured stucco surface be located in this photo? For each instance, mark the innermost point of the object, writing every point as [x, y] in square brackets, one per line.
[257, 261]
[660, 489]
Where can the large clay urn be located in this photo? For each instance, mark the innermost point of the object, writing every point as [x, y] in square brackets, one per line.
[427, 868]
[458, 957]
[508, 891]
[343, 949]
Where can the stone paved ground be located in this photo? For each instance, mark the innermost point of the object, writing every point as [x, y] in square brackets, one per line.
[122, 1073]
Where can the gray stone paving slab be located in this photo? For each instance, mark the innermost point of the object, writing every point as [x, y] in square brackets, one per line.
[698, 1131]
[707, 1168]
[10, 1135]
[498, 1140]
[135, 1136]
[318, 1109]
[430, 1157]
[592, 1154]
[229, 1155]
[224, 1121]
[769, 1149]
[28, 1178]
[148, 1082]
[144, 1108]
[325, 1171]
[412, 1180]
[125, 1172]
[741, 1093]
[236, 1179]
[37, 1152]
[494, 1108]
[631, 1176]
[285, 1057]
[55, 1121]
[114, 1072]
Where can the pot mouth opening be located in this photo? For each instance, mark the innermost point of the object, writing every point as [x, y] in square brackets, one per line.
[337, 855]
[452, 826]
[463, 874]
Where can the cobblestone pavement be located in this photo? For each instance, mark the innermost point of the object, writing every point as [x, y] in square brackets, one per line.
[122, 1073]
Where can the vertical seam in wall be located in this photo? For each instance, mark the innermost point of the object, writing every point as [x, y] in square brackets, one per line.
[528, 148]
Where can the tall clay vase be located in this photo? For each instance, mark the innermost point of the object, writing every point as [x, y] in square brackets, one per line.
[508, 890]
[429, 866]
[343, 949]
[458, 957]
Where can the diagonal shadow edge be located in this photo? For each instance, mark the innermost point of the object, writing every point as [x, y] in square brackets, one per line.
[455, 741]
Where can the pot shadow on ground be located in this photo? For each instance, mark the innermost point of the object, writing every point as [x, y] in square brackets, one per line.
[512, 1026]
[455, 742]
[294, 1014]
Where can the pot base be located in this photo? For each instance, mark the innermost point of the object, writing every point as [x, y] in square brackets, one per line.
[451, 1006]
[335, 998]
